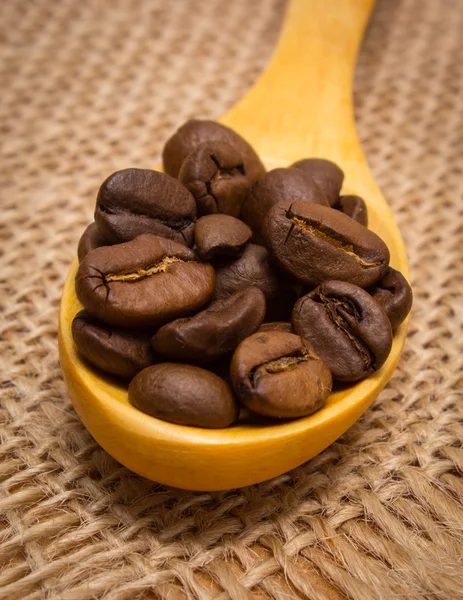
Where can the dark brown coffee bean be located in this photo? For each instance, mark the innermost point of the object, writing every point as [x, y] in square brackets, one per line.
[347, 327]
[215, 331]
[278, 374]
[394, 295]
[91, 239]
[284, 326]
[314, 243]
[354, 207]
[215, 174]
[220, 235]
[253, 268]
[276, 186]
[194, 132]
[140, 284]
[136, 201]
[185, 395]
[120, 352]
[220, 367]
[326, 174]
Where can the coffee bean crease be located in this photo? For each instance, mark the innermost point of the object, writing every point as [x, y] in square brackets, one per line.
[220, 174]
[283, 363]
[337, 310]
[328, 238]
[141, 273]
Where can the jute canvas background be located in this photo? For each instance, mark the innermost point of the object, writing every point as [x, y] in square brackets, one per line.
[92, 86]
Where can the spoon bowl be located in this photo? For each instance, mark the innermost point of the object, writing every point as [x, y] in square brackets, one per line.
[300, 107]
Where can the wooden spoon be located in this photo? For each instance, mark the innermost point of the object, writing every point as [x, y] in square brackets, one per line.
[300, 107]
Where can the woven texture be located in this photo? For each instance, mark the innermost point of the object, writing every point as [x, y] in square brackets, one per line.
[92, 86]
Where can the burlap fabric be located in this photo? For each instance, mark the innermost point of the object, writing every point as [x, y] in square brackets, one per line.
[91, 86]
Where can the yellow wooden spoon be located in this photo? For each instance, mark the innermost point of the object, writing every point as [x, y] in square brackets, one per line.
[300, 107]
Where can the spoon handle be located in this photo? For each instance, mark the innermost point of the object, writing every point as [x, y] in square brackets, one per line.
[302, 104]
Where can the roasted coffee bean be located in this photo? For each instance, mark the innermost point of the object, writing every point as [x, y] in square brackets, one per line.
[91, 239]
[347, 327]
[314, 243]
[220, 235]
[394, 295]
[215, 174]
[136, 201]
[215, 331]
[278, 374]
[121, 352]
[354, 207]
[171, 248]
[326, 174]
[185, 395]
[140, 284]
[276, 186]
[276, 326]
[253, 268]
[194, 132]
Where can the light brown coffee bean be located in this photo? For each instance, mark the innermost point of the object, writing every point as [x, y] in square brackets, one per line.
[141, 284]
[215, 174]
[220, 235]
[196, 131]
[326, 174]
[314, 243]
[347, 327]
[185, 395]
[278, 374]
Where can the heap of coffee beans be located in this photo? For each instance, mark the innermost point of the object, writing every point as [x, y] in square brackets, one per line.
[216, 284]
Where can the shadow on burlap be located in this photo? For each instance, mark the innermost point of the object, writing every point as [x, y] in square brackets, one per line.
[89, 87]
